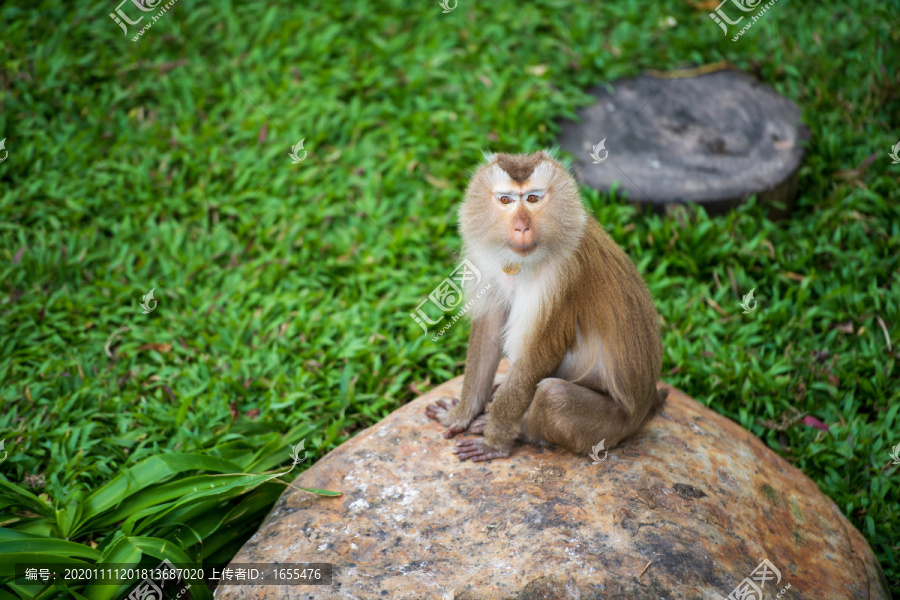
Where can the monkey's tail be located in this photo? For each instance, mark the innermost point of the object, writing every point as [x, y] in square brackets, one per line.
[657, 406]
[661, 396]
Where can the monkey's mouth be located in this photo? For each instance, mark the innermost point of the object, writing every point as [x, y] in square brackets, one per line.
[523, 250]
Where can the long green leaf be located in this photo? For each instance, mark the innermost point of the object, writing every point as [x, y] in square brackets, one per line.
[320, 492]
[22, 497]
[159, 494]
[10, 559]
[232, 488]
[163, 550]
[120, 552]
[49, 546]
[147, 472]
[7, 534]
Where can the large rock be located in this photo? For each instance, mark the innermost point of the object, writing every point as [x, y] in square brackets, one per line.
[688, 508]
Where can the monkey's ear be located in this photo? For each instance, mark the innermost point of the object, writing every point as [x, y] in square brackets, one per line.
[551, 152]
[488, 156]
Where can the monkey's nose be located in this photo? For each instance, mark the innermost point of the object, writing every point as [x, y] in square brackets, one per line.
[522, 229]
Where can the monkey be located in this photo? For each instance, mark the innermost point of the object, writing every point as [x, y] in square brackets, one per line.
[567, 307]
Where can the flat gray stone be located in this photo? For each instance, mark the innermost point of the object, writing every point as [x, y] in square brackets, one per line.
[715, 139]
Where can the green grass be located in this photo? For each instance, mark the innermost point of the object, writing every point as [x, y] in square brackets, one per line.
[284, 291]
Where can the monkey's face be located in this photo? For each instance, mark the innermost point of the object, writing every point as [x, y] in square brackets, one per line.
[520, 206]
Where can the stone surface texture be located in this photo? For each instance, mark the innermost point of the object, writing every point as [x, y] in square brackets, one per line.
[714, 139]
[688, 508]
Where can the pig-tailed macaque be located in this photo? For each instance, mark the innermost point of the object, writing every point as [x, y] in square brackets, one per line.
[565, 304]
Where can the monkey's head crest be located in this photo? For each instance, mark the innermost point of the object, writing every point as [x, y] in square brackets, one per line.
[522, 207]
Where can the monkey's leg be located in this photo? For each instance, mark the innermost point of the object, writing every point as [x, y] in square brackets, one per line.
[480, 422]
[481, 366]
[511, 402]
[578, 418]
[440, 408]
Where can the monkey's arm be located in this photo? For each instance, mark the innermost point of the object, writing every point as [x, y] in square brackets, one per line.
[482, 360]
[512, 400]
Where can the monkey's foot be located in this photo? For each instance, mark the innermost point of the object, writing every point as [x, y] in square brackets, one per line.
[439, 409]
[440, 412]
[481, 421]
[478, 425]
[478, 450]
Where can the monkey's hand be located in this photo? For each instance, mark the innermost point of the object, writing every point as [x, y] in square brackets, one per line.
[497, 442]
[478, 450]
[454, 417]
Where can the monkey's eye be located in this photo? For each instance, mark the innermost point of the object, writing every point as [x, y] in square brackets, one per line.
[534, 196]
[505, 199]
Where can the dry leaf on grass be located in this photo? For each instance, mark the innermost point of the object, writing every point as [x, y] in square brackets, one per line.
[159, 347]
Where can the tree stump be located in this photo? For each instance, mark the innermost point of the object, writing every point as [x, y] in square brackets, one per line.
[692, 507]
[715, 139]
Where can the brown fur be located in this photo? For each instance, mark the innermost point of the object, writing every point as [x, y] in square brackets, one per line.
[595, 290]
[519, 166]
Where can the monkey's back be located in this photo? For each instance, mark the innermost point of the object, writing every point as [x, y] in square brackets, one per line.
[611, 302]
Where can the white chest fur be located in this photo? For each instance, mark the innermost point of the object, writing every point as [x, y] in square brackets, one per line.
[528, 293]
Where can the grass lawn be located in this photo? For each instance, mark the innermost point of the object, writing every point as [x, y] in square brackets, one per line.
[284, 290]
